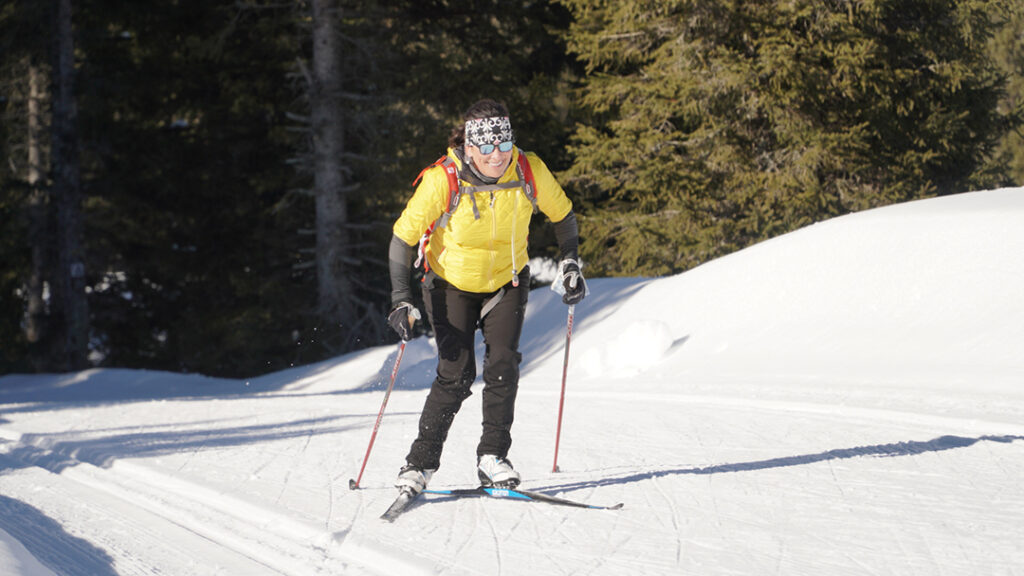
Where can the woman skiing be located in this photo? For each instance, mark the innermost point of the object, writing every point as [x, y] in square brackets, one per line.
[472, 210]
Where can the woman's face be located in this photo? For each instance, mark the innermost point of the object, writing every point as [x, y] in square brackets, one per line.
[492, 165]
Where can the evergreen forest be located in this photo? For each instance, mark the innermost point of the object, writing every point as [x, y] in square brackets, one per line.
[209, 186]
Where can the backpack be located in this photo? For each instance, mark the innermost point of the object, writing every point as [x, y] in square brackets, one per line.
[455, 192]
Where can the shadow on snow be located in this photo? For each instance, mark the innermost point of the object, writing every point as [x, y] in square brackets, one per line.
[896, 449]
[49, 543]
[53, 453]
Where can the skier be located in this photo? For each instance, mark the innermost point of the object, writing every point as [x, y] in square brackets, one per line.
[474, 248]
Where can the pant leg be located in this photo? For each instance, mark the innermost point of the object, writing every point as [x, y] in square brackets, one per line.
[453, 315]
[502, 328]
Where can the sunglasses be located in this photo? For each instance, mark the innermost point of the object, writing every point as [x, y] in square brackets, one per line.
[486, 149]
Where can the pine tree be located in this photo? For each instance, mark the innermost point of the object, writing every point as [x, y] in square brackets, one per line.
[25, 241]
[1007, 50]
[183, 120]
[70, 305]
[711, 126]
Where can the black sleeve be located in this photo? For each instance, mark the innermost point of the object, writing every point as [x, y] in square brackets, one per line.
[567, 234]
[400, 266]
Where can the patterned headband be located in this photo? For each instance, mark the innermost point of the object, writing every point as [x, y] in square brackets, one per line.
[488, 130]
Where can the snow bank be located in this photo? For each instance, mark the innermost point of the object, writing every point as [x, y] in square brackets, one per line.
[927, 287]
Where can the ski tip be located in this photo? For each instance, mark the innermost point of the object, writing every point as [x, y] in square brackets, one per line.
[352, 484]
[616, 507]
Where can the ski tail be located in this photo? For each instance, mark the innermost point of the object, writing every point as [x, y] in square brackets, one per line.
[401, 504]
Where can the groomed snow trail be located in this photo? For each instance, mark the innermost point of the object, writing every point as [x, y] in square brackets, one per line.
[155, 523]
[842, 400]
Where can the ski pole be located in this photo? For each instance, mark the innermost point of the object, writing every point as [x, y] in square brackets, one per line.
[353, 484]
[565, 370]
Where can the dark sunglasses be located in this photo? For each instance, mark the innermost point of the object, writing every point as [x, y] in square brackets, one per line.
[486, 149]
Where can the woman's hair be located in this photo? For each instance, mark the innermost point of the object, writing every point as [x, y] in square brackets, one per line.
[485, 108]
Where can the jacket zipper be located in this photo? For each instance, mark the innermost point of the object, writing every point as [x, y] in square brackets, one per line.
[515, 218]
[494, 236]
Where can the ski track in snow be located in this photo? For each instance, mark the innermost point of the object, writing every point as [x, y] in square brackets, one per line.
[235, 532]
[275, 541]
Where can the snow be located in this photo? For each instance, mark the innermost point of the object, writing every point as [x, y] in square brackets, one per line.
[15, 559]
[845, 399]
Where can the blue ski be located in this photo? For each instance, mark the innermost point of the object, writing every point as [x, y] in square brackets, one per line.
[517, 494]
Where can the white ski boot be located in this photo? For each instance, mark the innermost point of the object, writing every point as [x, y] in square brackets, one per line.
[413, 478]
[496, 472]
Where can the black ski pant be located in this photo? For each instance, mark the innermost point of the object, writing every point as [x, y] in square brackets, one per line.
[455, 315]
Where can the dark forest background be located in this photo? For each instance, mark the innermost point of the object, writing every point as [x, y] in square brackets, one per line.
[209, 186]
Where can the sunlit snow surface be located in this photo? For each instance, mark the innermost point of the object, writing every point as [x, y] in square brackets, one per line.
[845, 399]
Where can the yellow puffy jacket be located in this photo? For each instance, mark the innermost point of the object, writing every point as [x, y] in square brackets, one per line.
[480, 255]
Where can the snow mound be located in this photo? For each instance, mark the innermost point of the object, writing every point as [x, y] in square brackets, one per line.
[888, 293]
[641, 344]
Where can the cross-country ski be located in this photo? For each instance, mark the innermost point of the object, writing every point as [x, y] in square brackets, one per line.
[405, 498]
[518, 494]
[401, 503]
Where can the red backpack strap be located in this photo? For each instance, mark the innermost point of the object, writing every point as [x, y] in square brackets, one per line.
[454, 191]
[453, 182]
[526, 175]
[438, 162]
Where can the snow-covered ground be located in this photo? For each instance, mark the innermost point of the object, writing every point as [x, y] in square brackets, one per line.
[845, 399]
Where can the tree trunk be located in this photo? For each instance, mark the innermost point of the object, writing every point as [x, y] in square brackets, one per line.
[335, 289]
[37, 217]
[70, 305]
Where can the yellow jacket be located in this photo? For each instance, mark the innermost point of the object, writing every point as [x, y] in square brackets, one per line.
[480, 255]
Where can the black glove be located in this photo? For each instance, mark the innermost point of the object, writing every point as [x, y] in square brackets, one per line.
[573, 282]
[402, 318]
